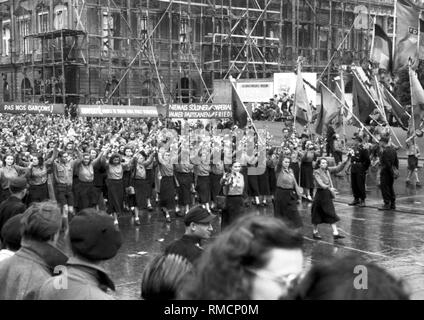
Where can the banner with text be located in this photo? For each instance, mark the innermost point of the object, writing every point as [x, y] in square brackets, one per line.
[112, 111]
[32, 108]
[200, 111]
[255, 90]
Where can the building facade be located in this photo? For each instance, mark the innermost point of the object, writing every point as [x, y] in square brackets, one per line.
[145, 52]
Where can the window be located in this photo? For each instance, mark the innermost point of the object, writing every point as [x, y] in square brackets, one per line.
[43, 21]
[60, 20]
[24, 27]
[6, 40]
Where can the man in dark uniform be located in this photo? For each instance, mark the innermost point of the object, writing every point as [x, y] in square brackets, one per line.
[389, 161]
[198, 227]
[360, 164]
[13, 205]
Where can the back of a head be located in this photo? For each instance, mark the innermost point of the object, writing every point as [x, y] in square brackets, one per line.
[41, 221]
[350, 278]
[11, 233]
[93, 235]
[163, 276]
[223, 268]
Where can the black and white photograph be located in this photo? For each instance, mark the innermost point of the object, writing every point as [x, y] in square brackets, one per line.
[220, 150]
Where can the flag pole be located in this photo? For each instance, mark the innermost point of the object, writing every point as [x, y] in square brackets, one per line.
[412, 102]
[373, 37]
[353, 115]
[380, 101]
[342, 91]
[394, 32]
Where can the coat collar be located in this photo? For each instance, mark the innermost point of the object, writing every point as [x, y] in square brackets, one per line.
[92, 272]
[44, 253]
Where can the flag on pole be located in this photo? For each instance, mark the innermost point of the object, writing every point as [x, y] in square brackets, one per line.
[303, 109]
[381, 49]
[239, 110]
[363, 102]
[391, 104]
[421, 37]
[417, 98]
[406, 41]
[330, 109]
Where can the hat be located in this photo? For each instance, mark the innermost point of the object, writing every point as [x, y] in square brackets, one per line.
[41, 220]
[198, 215]
[18, 184]
[94, 236]
[11, 232]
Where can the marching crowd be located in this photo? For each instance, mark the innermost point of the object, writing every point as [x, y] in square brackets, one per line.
[88, 166]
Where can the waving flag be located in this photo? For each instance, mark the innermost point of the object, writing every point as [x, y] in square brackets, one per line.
[303, 109]
[407, 29]
[363, 102]
[239, 110]
[381, 49]
[417, 98]
[330, 109]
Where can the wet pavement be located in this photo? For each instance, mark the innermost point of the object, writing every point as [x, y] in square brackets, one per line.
[393, 239]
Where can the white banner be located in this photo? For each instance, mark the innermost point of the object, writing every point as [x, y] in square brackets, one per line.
[254, 90]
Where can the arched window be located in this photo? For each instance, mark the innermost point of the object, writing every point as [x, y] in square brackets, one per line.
[60, 20]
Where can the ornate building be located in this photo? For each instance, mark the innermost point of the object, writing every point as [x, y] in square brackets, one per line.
[155, 51]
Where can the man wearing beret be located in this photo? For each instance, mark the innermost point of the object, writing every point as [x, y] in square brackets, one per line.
[13, 205]
[11, 237]
[22, 275]
[197, 227]
[94, 239]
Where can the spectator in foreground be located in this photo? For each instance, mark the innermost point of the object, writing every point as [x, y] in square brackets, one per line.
[256, 258]
[350, 278]
[197, 228]
[13, 205]
[23, 274]
[163, 277]
[93, 238]
[11, 235]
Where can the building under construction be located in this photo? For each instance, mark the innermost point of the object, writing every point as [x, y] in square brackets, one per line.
[144, 52]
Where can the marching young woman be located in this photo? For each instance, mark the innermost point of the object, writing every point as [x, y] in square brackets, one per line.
[184, 174]
[306, 170]
[233, 183]
[115, 187]
[129, 196]
[286, 196]
[295, 155]
[413, 154]
[37, 176]
[9, 171]
[140, 182]
[167, 183]
[216, 174]
[201, 170]
[323, 210]
[86, 194]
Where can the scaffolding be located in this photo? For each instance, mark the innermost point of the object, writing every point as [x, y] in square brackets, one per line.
[144, 52]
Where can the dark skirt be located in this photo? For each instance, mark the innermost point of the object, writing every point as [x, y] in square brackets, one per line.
[203, 189]
[272, 180]
[295, 167]
[263, 182]
[150, 177]
[234, 208]
[253, 183]
[323, 208]
[412, 162]
[184, 190]
[285, 207]
[215, 181]
[306, 175]
[167, 192]
[115, 196]
[38, 193]
[141, 193]
[86, 195]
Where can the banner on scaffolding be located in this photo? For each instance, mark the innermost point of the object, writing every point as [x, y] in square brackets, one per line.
[200, 111]
[112, 111]
[32, 108]
[255, 90]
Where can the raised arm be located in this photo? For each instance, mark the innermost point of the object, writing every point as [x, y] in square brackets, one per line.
[339, 167]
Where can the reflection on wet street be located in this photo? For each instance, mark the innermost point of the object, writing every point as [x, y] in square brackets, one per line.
[393, 239]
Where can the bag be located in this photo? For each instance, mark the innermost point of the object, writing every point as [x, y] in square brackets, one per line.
[130, 190]
[395, 172]
[221, 202]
